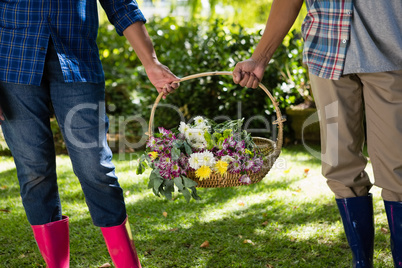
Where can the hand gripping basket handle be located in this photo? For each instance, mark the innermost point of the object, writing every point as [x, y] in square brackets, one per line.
[279, 121]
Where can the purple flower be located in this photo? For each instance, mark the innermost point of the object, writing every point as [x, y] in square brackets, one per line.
[225, 144]
[234, 167]
[159, 148]
[257, 164]
[183, 162]
[245, 179]
[166, 172]
[232, 142]
[236, 157]
[164, 131]
[240, 145]
[221, 153]
[151, 142]
[248, 164]
[175, 170]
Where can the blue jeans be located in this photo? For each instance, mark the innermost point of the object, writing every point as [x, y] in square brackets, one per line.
[80, 112]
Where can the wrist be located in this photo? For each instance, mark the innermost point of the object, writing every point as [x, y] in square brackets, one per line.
[261, 60]
[150, 62]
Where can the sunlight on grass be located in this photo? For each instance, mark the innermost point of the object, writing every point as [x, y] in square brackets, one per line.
[288, 219]
[7, 163]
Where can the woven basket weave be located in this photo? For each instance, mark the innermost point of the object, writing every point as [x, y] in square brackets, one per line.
[269, 148]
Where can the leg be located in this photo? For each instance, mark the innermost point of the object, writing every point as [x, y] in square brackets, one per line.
[121, 247]
[53, 242]
[340, 104]
[80, 111]
[340, 107]
[29, 137]
[383, 95]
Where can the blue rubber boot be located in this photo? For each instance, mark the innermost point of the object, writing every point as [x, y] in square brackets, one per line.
[394, 215]
[358, 222]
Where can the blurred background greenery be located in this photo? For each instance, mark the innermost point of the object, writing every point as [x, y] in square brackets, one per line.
[193, 36]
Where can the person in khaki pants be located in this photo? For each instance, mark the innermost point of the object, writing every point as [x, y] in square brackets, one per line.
[353, 49]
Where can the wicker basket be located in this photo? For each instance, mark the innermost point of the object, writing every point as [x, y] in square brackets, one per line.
[269, 148]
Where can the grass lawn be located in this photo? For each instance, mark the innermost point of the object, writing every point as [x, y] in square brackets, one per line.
[289, 219]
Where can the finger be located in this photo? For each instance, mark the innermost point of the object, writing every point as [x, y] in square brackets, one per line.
[256, 83]
[244, 80]
[236, 77]
[168, 88]
[251, 81]
[175, 85]
[165, 93]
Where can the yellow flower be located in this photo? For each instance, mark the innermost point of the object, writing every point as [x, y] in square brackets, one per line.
[153, 155]
[221, 167]
[203, 172]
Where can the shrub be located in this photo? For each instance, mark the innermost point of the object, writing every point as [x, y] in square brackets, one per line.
[194, 47]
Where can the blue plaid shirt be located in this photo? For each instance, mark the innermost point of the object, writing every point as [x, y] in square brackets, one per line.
[27, 25]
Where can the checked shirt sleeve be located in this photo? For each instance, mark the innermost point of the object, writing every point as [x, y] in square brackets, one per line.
[326, 31]
[122, 13]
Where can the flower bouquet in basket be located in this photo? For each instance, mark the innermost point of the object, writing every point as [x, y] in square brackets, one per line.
[194, 153]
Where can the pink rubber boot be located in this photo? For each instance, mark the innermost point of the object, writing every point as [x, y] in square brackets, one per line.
[119, 242]
[53, 242]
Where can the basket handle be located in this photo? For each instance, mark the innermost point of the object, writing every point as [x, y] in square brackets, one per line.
[279, 121]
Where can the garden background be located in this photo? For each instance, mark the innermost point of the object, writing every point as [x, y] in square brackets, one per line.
[289, 219]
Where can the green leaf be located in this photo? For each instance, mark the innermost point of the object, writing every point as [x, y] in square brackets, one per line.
[175, 153]
[207, 136]
[194, 193]
[140, 168]
[168, 195]
[227, 133]
[187, 148]
[151, 182]
[188, 182]
[155, 192]
[169, 189]
[178, 181]
[216, 136]
[178, 143]
[142, 164]
[155, 181]
[186, 193]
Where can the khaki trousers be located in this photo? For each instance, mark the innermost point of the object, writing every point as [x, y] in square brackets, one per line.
[342, 105]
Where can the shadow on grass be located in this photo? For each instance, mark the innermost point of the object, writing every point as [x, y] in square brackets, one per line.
[272, 235]
[9, 183]
[279, 228]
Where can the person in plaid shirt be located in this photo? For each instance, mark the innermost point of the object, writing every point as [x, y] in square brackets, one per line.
[49, 57]
[353, 50]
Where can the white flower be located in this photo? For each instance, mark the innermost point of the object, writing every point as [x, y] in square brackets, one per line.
[194, 134]
[227, 158]
[195, 160]
[199, 145]
[207, 158]
[183, 128]
[199, 135]
[189, 134]
[199, 121]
